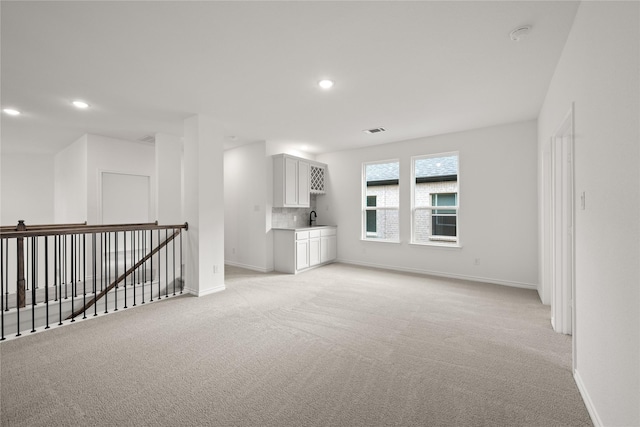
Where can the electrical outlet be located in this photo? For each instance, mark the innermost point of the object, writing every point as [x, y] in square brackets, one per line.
[477, 261]
[295, 218]
[215, 269]
[233, 250]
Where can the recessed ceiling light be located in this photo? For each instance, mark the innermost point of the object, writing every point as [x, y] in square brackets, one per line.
[80, 104]
[325, 84]
[11, 112]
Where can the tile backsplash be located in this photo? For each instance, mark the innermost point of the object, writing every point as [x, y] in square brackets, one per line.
[284, 217]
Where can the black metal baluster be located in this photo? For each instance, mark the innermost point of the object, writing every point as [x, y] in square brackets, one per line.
[103, 260]
[159, 268]
[73, 278]
[107, 273]
[2, 289]
[124, 257]
[26, 276]
[36, 262]
[95, 275]
[46, 279]
[58, 278]
[77, 276]
[66, 279]
[166, 265]
[84, 274]
[33, 284]
[116, 272]
[17, 287]
[151, 266]
[56, 270]
[133, 282]
[173, 245]
[6, 277]
[144, 264]
[181, 276]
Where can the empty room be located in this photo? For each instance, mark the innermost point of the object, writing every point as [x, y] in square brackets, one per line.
[320, 213]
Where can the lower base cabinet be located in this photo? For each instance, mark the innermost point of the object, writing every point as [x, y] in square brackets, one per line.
[296, 250]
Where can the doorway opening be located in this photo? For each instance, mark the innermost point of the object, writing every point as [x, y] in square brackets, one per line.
[562, 230]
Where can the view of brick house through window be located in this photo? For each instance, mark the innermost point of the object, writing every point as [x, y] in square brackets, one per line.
[435, 185]
[435, 200]
[381, 218]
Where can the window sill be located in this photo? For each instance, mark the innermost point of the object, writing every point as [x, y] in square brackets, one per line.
[380, 240]
[438, 245]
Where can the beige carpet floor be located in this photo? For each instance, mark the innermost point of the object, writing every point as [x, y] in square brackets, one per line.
[336, 346]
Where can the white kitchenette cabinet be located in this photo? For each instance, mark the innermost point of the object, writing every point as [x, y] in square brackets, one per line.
[291, 182]
[298, 249]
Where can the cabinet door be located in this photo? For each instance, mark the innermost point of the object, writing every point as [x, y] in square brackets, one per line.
[290, 181]
[303, 184]
[328, 248]
[314, 251]
[332, 250]
[302, 254]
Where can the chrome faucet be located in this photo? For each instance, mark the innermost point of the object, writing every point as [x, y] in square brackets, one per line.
[312, 216]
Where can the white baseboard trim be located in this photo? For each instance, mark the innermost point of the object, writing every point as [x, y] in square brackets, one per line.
[597, 422]
[248, 267]
[442, 274]
[197, 293]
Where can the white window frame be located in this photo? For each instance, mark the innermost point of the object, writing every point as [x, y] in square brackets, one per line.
[365, 208]
[441, 241]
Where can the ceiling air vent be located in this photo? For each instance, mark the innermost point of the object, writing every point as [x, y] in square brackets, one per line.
[375, 130]
[148, 138]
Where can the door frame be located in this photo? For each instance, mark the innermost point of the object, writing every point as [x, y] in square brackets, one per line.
[562, 227]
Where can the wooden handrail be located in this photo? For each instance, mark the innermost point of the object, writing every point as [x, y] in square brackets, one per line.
[42, 226]
[126, 274]
[88, 229]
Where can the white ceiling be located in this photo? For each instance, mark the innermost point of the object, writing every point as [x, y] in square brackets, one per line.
[415, 68]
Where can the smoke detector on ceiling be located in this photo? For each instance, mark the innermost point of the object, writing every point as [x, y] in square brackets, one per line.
[374, 130]
[520, 33]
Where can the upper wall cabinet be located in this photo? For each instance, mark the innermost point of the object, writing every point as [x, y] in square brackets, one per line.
[295, 179]
[290, 182]
[317, 173]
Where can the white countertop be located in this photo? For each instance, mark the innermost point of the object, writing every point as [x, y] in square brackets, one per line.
[315, 227]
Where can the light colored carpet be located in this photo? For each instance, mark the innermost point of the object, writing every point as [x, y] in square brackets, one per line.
[335, 346]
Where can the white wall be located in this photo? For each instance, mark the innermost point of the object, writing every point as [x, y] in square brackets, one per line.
[70, 193]
[117, 156]
[26, 189]
[245, 204]
[168, 157]
[598, 71]
[498, 206]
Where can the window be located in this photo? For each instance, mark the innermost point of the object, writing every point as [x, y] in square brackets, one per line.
[371, 216]
[380, 201]
[435, 200]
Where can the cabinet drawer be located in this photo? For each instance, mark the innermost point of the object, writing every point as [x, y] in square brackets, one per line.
[328, 232]
[301, 235]
[314, 233]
